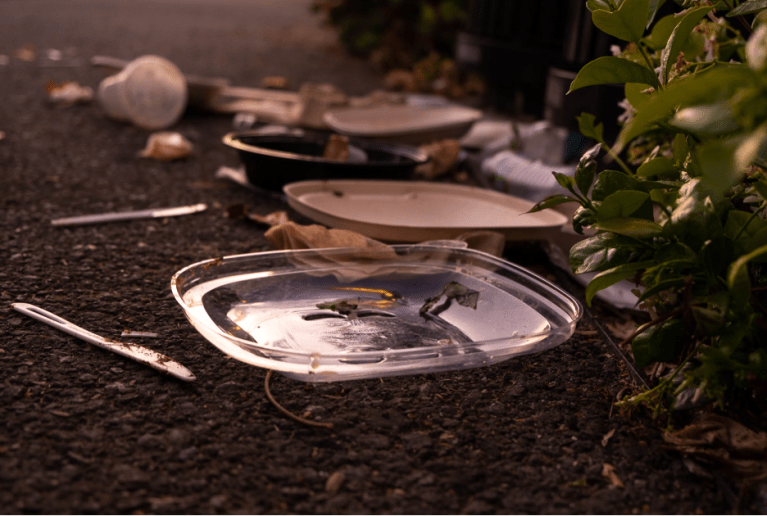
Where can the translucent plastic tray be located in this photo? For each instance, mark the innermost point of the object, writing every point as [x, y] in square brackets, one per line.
[339, 314]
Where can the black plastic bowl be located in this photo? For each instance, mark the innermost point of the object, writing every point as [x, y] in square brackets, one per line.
[272, 161]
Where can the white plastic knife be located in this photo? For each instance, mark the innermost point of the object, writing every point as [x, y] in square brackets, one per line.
[130, 215]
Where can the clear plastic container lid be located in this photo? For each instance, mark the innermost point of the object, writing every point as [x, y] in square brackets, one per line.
[339, 314]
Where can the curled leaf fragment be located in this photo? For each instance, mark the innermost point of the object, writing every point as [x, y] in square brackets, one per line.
[453, 291]
[167, 146]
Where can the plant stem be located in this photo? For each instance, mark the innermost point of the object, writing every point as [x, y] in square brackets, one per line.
[752, 217]
[647, 326]
[614, 156]
[741, 19]
[647, 60]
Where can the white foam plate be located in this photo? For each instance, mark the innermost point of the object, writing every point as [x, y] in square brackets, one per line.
[411, 211]
[402, 121]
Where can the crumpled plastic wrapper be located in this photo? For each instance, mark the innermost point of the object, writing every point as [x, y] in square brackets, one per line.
[444, 155]
[167, 146]
[68, 93]
[740, 452]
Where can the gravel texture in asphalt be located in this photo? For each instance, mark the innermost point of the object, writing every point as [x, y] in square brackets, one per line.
[83, 430]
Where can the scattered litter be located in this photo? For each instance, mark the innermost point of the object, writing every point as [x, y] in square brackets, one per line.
[608, 471]
[167, 146]
[316, 99]
[26, 53]
[294, 236]
[607, 436]
[236, 175]
[337, 148]
[275, 82]
[275, 218]
[2, 135]
[244, 121]
[138, 353]
[154, 213]
[285, 411]
[139, 334]
[334, 482]
[150, 92]
[444, 155]
[68, 93]
[53, 54]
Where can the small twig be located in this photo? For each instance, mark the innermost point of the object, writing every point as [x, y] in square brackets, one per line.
[650, 324]
[286, 411]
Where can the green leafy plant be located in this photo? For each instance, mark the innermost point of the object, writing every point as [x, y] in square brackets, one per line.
[683, 213]
[396, 33]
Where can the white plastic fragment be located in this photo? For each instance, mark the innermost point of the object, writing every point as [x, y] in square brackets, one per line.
[167, 146]
[68, 93]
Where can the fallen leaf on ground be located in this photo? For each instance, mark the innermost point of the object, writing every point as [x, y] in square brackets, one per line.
[607, 437]
[738, 450]
[167, 146]
[68, 93]
[608, 471]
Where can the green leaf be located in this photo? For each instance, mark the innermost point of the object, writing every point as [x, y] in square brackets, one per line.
[596, 5]
[621, 204]
[583, 217]
[551, 201]
[600, 252]
[711, 119]
[661, 31]
[711, 317]
[612, 181]
[631, 227]
[654, 6]
[564, 180]
[633, 92]
[662, 286]
[627, 22]
[714, 84]
[742, 223]
[584, 175]
[661, 343]
[738, 281]
[717, 163]
[612, 276]
[681, 148]
[748, 7]
[678, 38]
[752, 150]
[588, 129]
[657, 167]
[610, 70]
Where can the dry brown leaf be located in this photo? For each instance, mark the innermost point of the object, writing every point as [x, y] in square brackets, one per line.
[608, 471]
[167, 146]
[295, 236]
[607, 437]
[337, 148]
[272, 219]
[740, 451]
[622, 330]
[443, 154]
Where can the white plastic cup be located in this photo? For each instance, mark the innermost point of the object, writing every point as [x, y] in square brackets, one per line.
[150, 92]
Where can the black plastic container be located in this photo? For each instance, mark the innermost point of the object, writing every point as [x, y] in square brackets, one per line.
[272, 161]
